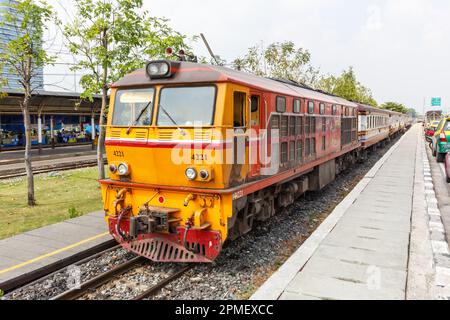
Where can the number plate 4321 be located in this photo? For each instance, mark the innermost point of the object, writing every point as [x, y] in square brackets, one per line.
[118, 153]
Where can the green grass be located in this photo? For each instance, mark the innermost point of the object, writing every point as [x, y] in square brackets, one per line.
[61, 196]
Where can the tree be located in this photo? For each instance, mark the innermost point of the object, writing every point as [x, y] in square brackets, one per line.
[412, 112]
[347, 87]
[24, 55]
[113, 38]
[279, 60]
[394, 106]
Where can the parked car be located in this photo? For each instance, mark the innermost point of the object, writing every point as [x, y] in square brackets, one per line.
[447, 167]
[440, 143]
[431, 130]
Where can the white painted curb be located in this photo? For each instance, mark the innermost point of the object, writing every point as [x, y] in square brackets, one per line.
[440, 248]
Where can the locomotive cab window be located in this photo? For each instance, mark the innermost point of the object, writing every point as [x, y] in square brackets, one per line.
[239, 110]
[281, 104]
[133, 107]
[186, 106]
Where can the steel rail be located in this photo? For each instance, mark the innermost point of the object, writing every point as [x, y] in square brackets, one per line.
[97, 281]
[22, 173]
[47, 271]
[156, 288]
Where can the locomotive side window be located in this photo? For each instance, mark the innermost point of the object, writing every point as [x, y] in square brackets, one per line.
[297, 106]
[239, 110]
[310, 107]
[186, 106]
[130, 103]
[281, 104]
[254, 101]
[322, 108]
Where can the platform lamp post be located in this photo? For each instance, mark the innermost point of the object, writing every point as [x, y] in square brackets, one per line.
[40, 133]
[52, 134]
[1, 133]
[93, 128]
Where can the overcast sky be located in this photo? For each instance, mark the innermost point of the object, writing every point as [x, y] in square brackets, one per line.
[398, 48]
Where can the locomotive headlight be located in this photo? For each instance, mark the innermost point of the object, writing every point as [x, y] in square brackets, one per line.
[123, 169]
[158, 69]
[204, 174]
[113, 168]
[191, 173]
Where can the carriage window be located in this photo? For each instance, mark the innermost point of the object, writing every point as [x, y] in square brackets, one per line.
[310, 107]
[333, 109]
[324, 124]
[322, 108]
[281, 104]
[130, 103]
[186, 106]
[313, 145]
[297, 106]
[324, 143]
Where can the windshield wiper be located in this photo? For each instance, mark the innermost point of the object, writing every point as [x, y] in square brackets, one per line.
[139, 116]
[168, 115]
[171, 119]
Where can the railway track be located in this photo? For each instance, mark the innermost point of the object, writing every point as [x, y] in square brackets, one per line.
[8, 174]
[47, 271]
[92, 284]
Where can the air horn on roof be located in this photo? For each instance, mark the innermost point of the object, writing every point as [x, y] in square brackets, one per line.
[181, 55]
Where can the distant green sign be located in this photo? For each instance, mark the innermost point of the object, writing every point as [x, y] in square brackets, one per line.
[436, 102]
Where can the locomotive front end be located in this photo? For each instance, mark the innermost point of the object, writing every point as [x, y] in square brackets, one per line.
[164, 198]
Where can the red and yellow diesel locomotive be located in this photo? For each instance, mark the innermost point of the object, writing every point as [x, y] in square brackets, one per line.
[198, 153]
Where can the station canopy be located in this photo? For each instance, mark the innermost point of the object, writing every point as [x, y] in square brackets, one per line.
[50, 102]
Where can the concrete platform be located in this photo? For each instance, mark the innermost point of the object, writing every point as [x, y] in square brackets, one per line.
[34, 249]
[363, 249]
